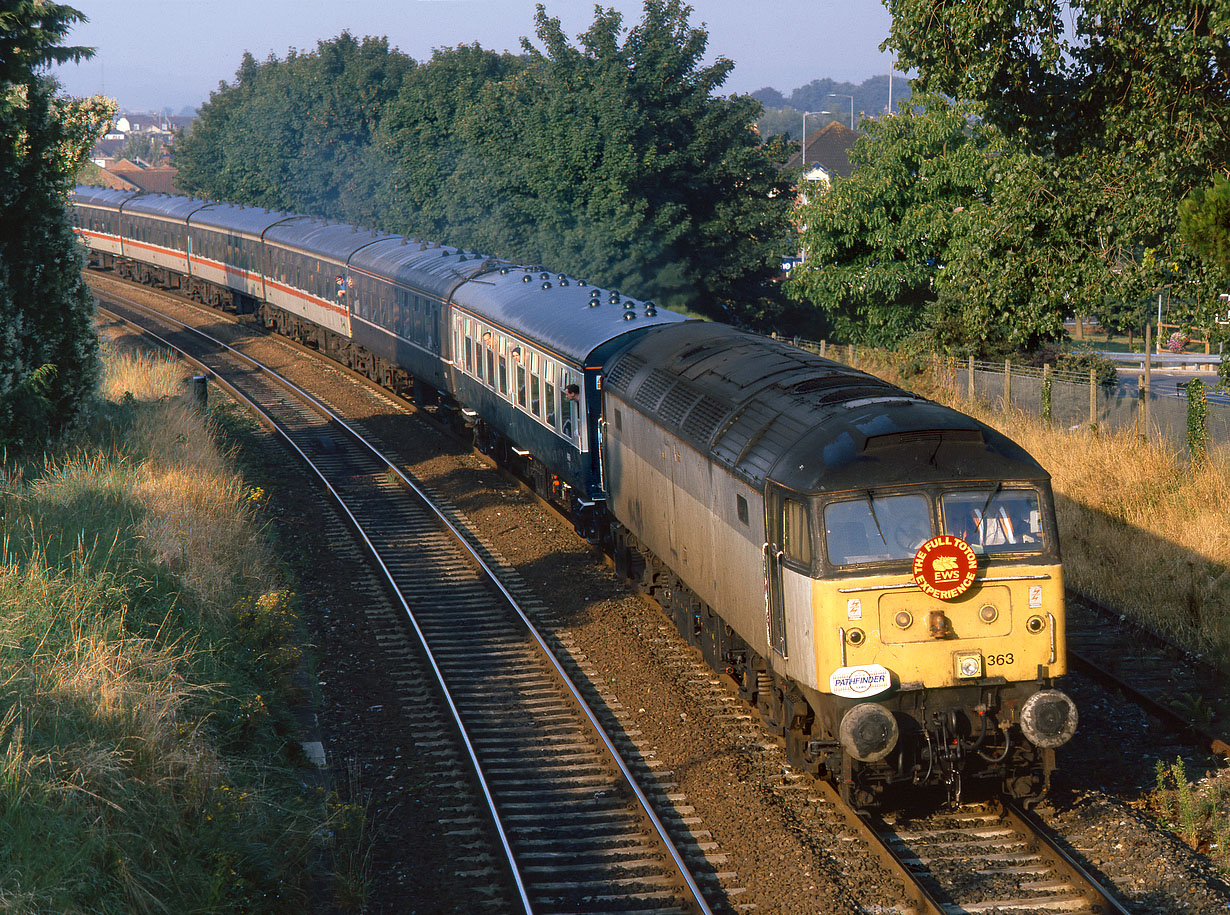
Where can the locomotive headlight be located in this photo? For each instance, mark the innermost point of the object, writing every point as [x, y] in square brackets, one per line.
[1035, 624]
[968, 664]
[988, 614]
[903, 619]
[855, 637]
[1048, 718]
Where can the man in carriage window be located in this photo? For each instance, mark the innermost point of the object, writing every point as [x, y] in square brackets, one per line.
[572, 395]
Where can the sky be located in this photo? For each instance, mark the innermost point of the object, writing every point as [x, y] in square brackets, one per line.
[154, 55]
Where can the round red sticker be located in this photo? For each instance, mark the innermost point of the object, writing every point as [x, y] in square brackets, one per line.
[945, 566]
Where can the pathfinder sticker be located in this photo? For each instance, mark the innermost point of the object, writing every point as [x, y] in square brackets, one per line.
[856, 682]
[945, 566]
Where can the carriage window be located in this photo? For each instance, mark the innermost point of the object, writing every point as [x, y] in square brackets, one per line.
[469, 355]
[521, 384]
[535, 397]
[550, 405]
[503, 375]
[796, 536]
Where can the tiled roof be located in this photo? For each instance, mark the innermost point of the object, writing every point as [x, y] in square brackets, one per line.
[828, 147]
[93, 175]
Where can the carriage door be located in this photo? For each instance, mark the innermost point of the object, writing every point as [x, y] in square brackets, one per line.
[786, 539]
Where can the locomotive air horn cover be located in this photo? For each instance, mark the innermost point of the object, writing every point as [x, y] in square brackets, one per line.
[868, 732]
[1048, 718]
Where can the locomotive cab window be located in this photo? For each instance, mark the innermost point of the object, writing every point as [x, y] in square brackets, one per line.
[876, 528]
[995, 521]
[796, 533]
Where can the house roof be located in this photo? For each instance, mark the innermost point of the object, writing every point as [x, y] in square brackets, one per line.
[93, 174]
[159, 179]
[829, 148]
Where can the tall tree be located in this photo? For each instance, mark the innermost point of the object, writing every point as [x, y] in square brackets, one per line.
[616, 159]
[1126, 106]
[48, 348]
[415, 161]
[877, 243]
[293, 133]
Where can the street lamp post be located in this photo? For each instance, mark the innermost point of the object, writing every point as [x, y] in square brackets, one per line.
[851, 98]
[803, 155]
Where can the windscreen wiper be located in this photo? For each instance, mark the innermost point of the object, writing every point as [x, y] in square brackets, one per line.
[982, 517]
[871, 503]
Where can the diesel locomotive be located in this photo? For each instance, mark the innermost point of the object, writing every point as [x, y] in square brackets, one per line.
[878, 575]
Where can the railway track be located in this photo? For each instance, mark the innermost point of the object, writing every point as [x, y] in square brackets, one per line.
[987, 858]
[972, 859]
[1183, 691]
[568, 817]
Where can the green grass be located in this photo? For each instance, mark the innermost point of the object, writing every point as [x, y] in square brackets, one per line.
[147, 650]
[1198, 812]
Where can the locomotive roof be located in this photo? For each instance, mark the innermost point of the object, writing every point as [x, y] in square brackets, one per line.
[771, 411]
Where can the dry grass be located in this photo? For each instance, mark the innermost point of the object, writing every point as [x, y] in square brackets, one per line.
[197, 518]
[139, 766]
[1141, 529]
[142, 375]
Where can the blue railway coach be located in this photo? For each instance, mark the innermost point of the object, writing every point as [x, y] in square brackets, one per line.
[506, 345]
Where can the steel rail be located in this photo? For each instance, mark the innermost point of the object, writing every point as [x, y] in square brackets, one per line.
[489, 573]
[1063, 862]
[1168, 714]
[273, 426]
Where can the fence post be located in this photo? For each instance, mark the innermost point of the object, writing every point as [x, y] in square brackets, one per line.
[824, 346]
[200, 391]
[1144, 393]
[1093, 399]
[971, 377]
[851, 354]
[1046, 392]
[1007, 384]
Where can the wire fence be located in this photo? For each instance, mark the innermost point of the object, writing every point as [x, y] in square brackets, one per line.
[1071, 399]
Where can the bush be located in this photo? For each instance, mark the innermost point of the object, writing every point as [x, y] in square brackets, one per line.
[1077, 359]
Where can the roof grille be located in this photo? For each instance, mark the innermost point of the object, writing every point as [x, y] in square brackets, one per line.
[704, 418]
[622, 373]
[919, 436]
[650, 393]
[676, 404]
[856, 390]
[821, 383]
